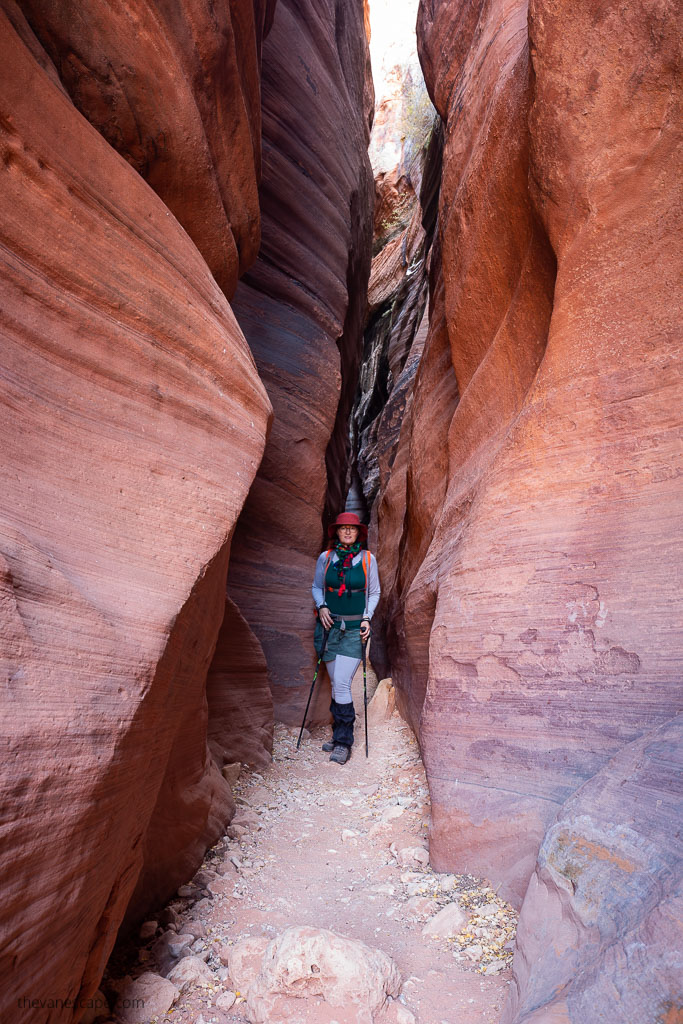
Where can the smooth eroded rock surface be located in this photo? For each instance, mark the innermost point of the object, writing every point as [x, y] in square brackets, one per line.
[533, 632]
[599, 932]
[301, 309]
[174, 87]
[133, 421]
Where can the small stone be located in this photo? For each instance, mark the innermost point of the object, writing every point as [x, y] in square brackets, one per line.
[420, 908]
[231, 772]
[225, 1000]
[448, 922]
[203, 878]
[187, 891]
[237, 832]
[245, 817]
[494, 968]
[410, 855]
[391, 813]
[145, 997]
[195, 928]
[148, 930]
[474, 951]
[488, 910]
[179, 944]
[189, 971]
[170, 916]
[447, 883]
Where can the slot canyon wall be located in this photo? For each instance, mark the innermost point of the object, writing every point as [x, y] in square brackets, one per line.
[301, 307]
[528, 511]
[133, 421]
[132, 140]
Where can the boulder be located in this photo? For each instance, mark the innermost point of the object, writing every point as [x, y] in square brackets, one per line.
[191, 971]
[599, 930]
[313, 963]
[449, 921]
[244, 960]
[145, 997]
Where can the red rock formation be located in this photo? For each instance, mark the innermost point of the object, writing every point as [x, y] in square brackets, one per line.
[301, 308]
[133, 421]
[599, 933]
[533, 634]
[238, 694]
[174, 87]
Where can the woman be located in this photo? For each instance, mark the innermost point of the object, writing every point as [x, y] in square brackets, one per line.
[346, 592]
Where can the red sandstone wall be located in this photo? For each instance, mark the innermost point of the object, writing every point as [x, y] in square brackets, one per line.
[133, 420]
[301, 308]
[173, 87]
[535, 618]
[534, 625]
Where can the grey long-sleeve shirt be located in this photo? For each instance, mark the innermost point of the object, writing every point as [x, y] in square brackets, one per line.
[372, 591]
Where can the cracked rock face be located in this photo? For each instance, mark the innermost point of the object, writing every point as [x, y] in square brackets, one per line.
[599, 932]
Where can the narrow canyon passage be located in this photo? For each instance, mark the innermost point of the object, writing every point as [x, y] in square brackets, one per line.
[257, 268]
[315, 845]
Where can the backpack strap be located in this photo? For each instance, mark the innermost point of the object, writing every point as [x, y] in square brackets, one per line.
[366, 567]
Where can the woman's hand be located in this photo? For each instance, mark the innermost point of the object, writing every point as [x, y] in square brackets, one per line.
[365, 630]
[325, 616]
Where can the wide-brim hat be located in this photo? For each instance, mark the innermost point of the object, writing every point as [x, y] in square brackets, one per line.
[348, 519]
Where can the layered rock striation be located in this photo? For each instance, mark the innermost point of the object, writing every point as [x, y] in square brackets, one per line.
[528, 531]
[175, 89]
[133, 421]
[301, 308]
[516, 622]
[530, 636]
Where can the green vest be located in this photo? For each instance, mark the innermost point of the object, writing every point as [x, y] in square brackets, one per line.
[352, 601]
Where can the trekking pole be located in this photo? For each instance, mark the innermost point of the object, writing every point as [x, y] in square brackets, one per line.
[365, 695]
[317, 669]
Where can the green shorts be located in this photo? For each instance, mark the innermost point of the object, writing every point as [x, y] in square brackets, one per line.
[340, 641]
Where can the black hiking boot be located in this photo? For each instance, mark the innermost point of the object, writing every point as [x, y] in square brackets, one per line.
[340, 754]
[328, 746]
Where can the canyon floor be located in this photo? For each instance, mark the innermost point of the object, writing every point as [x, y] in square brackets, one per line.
[342, 848]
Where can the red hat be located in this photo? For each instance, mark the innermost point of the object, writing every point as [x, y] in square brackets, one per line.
[348, 519]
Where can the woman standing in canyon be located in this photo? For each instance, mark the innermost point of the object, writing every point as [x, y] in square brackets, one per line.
[346, 591]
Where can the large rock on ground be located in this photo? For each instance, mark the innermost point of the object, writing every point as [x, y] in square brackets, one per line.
[174, 87]
[317, 964]
[535, 621]
[133, 421]
[599, 936]
[301, 308]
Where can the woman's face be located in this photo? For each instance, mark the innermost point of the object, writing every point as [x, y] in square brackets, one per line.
[347, 534]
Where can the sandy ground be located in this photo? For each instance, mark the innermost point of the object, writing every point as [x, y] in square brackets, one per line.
[321, 847]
